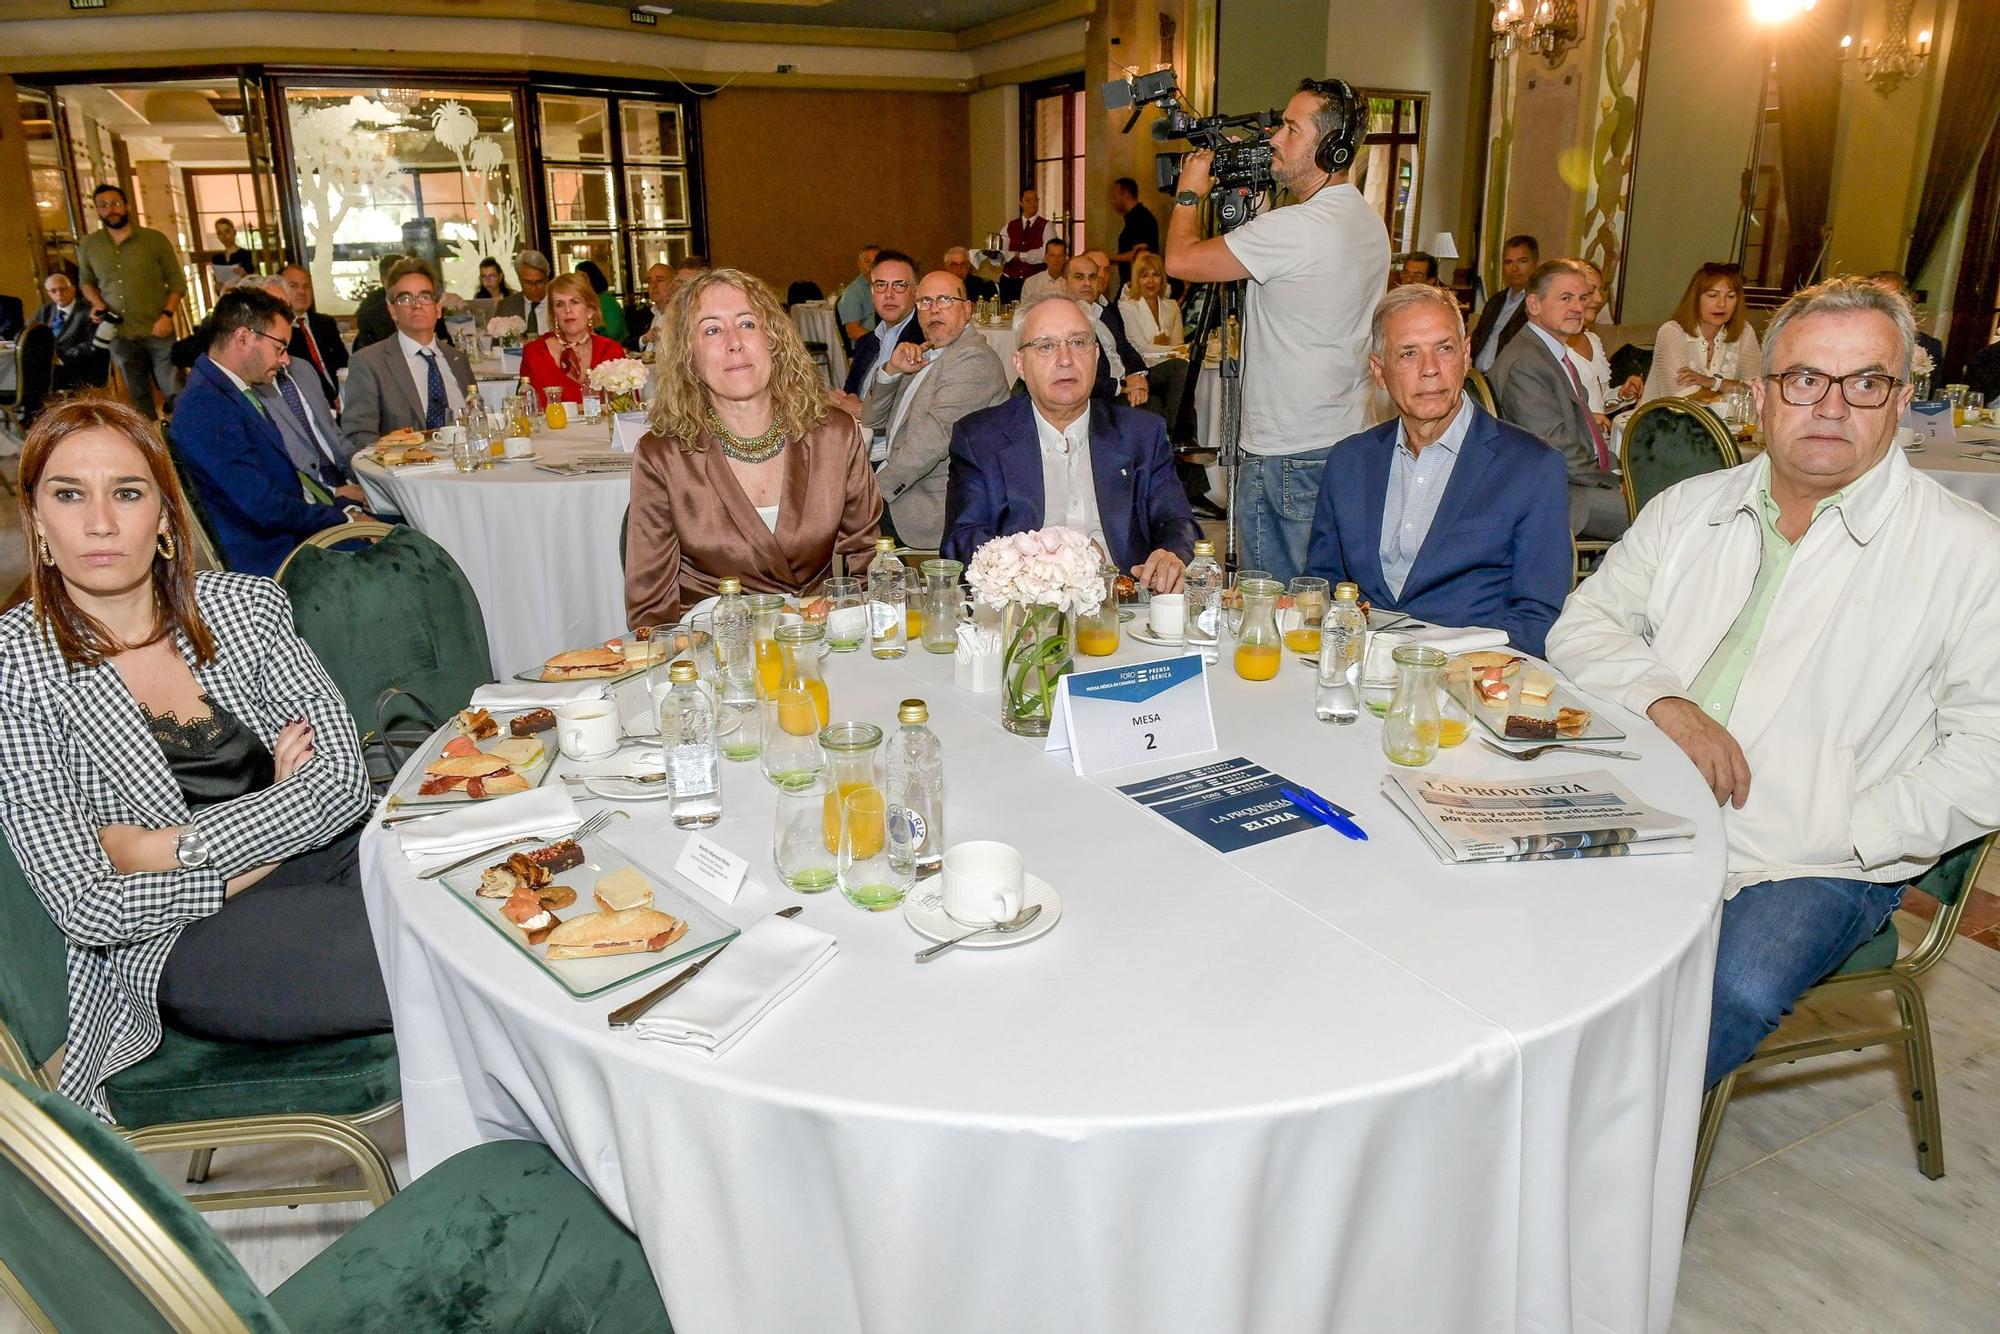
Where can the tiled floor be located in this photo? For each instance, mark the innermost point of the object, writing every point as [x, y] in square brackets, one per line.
[1814, 1220]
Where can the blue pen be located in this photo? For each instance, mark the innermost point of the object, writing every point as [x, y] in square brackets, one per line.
[1323, 810]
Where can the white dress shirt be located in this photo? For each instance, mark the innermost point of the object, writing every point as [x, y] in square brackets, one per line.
[1069, 487]
[1416, 486]
[1485, 355]
[544, 321]
[1143, 329]
[420, 372]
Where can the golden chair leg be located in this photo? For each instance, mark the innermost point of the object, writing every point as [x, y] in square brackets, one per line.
[1713, 1104]
[378, 1179]
[198, 1162]
[1923, 1075]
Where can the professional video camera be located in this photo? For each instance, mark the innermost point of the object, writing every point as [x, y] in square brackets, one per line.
[1241, 170]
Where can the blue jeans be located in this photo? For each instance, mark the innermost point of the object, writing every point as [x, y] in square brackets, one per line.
[1276, 496]
[1778, 938]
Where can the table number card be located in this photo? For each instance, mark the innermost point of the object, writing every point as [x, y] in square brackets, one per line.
[627, 429]
[1932, 422]
[1120, 716]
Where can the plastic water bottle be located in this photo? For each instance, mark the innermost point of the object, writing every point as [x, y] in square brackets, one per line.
[1342, 633]
[687, 736]
[1204, 581]
[888, 602]
[914, 772]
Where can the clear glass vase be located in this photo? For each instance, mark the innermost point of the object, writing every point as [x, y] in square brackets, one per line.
[1038, 649]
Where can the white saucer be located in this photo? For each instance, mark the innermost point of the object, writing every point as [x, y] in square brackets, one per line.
[1141, 631]
[924, 911]
[613, 787]
[528, 457]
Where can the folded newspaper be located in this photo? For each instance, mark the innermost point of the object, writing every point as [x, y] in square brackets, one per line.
[579, 464]
[1550, 819]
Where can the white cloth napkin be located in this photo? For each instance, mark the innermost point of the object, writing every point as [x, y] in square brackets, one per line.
[1460, 639]
[542, 812]
[533, 695]
[757, 970]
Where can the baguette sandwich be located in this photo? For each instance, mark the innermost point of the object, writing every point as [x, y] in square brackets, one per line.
[634, 931]
[583, 662]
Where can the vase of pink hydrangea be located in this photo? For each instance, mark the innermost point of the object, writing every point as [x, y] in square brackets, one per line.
[1040, 582]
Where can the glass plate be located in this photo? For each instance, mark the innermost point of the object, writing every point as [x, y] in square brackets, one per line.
[406, 791]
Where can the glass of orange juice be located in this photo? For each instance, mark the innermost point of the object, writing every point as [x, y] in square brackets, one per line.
[1309, 603]
[1097, 631]
[766, 610]
[555, 413]
[1257, 641]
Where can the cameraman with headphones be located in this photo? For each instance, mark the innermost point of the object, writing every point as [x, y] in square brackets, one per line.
[1317, 267]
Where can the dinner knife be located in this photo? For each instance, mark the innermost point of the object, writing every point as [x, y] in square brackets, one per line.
[625, 1015]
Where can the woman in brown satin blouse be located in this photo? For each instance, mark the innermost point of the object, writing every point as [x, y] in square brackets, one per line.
[744, 470]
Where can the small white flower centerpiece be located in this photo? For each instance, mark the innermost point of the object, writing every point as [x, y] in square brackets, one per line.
[619, 381]
[509, 329]
[1041, 582]
[1922, 367]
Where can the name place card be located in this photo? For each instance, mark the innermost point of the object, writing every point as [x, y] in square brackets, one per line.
[712, 868]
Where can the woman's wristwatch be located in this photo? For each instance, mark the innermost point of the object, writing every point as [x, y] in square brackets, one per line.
[1719, 382]
[191, 849]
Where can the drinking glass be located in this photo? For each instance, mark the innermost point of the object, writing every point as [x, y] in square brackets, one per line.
[1097, 631]
[846, 612]
[792, 758]
[1975, 407]
[1257, 641]
[1232, 599]
[466, 453]
[942, 606]
[766, 611]
[1309, 603]
[593, 409]
[555, 413]
[877, 860]
[798, 840]
[1410, 731]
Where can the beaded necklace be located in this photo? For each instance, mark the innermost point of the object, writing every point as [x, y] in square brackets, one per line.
[754, 450]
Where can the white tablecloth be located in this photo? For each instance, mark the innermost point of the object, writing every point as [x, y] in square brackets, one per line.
[815, 322]
[1314, 1085]
[540, 550]
[1001, 336]
[1978, 480]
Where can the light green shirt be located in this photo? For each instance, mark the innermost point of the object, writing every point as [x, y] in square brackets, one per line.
[135, 277]
[1716, 685]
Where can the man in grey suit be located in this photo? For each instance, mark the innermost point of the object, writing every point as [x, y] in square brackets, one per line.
[413, 380]
[297, 406]
[531, 303]
[1539, 390]
[919, 395]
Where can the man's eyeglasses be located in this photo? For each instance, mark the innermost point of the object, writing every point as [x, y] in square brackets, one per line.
[1078, 344]
[937, 302]
[1858, 389]
[884, 285]
[407, 299]
[281, 342]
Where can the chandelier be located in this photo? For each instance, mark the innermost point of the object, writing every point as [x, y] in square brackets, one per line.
[1893, 59]
[1549, 27]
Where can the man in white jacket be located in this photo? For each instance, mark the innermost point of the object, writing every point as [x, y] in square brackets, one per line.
[1818, 630]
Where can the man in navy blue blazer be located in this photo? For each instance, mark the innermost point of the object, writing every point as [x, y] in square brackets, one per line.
[1445, 512]
[232, 449]
[1055, 455]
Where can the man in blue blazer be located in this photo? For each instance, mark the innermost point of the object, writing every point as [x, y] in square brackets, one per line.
[1055, 455]
[1445, 512]
[232, 449]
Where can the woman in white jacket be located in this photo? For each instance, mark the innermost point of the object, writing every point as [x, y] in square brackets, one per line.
[1152, 318]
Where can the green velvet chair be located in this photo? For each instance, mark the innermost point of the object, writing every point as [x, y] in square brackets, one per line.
[195, 1095]
[208, 552]
[499, 1238]
[397, 627]
[1670, 440]
[1871, 968]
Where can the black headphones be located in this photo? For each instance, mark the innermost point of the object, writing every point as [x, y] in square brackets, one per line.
[1336, 148]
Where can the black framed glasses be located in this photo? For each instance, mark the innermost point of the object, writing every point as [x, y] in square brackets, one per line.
[281, 342]
[884, 285]
[1858, 389]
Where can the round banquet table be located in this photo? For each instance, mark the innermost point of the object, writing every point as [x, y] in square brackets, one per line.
[1314, 1084]
[539, 549]
[1001, 337]
[1958, 468]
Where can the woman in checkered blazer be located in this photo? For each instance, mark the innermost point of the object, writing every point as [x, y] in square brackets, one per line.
[179, 778]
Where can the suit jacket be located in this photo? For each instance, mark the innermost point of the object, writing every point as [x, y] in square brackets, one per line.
[996, 486]
[1110, 379]
[966, 377]
[978, 288]
[381, 396]
[691, 523]
[12, 321]
[238, 462]
[865, 348]
[304, 451]
[78, 338]
[372, 324]
[516, 303]
[332, 352]
[1497, 553]
[80, 755]
[1534, 392]
[1489, 315]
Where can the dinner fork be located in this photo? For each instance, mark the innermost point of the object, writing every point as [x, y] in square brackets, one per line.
[1532, 751]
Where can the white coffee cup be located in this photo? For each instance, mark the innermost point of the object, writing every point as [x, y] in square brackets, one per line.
[587, 729]
[1166, 615]
[982, 882]
[519, 446]
[1906, 437]
[448, 435]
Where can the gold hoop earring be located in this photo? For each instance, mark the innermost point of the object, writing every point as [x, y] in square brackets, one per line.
[166, 545]
[48, 557]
